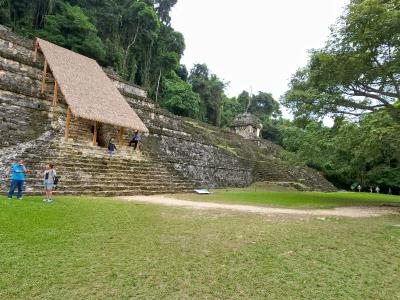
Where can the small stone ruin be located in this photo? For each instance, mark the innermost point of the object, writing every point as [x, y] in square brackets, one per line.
[247, 125]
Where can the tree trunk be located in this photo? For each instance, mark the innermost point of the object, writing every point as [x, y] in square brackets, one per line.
[158, 86]
[128, 49]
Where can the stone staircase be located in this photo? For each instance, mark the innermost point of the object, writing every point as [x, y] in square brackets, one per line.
[270, 171]
[273, 172]
[86, 170]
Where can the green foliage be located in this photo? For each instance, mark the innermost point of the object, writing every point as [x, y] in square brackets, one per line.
[178, 97]
[263, 105]
[132, 36]
[366, 152]
[231, 107]
[244, 100]
[359, 69]
[183, 73]
[163, 8]
[72, 29]
[139, 29]
[211, 91]
[271, 130]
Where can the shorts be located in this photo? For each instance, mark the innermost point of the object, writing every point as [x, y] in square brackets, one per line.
[48, 186]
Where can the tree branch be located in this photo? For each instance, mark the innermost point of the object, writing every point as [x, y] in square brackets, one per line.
[394, 82]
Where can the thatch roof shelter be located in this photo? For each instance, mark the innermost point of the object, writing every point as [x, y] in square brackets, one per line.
[87, 90]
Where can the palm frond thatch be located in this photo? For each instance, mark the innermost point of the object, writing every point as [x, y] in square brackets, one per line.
[87, 89]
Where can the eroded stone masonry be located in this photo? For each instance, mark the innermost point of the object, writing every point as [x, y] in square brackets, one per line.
[178, 154]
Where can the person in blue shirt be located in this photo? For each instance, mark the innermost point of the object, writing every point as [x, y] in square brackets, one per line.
[17, 179]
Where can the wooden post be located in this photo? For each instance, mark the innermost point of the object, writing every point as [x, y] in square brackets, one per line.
[44, 77]
[121, 136]
[95, 133]
[35, 52]
[55, 96]
[67, 123]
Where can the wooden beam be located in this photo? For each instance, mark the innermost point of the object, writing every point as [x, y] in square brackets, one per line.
[96, 126]
[121, 136]
[44, 77]
[67, 124]
[55, 95]
[35, 51]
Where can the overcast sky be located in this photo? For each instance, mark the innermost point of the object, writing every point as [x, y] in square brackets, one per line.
[254, 43]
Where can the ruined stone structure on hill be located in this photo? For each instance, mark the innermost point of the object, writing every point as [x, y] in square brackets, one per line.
[177, 155]
[247, 125]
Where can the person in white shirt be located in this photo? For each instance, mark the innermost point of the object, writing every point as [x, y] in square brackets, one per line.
[49, 178]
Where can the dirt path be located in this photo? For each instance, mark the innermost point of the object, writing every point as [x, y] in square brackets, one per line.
[354, 212]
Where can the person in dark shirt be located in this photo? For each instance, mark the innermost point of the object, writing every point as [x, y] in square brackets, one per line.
[135, 140]
[111, 147]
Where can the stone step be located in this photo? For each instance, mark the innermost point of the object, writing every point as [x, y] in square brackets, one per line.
[71, 168]
[95, 181]
[113, 181]
[104, 193]
[159, 188]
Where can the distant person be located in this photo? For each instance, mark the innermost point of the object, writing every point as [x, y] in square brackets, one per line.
[18, 172]
[390, 191]
[49, 177]
[371, 190]
[359, 188]
[377, 189]
[135, 140]
[111, 147]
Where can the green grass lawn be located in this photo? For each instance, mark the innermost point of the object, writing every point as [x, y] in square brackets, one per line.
[294, 199]
[83, 248]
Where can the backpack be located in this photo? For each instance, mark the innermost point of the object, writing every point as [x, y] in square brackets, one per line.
[56, 179]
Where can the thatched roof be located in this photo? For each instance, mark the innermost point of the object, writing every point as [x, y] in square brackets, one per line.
[87, 89]
[247, 119]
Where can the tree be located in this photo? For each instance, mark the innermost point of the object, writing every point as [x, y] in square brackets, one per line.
[244, 100]
[183, 73]
[163, 8]
[139, 25]
[211, 91]
[231, 107]
[264, 106]
[42, 8]
[167, 54]
[177, 96]
[72, 29]
[359, 69]
[364, 152]
[132, 36]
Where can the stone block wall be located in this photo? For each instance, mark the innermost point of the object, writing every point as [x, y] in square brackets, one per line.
[22, 119]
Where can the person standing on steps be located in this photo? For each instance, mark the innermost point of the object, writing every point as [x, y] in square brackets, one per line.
[135, 140]
[49, 179]
[18, 172]
[111, 147]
